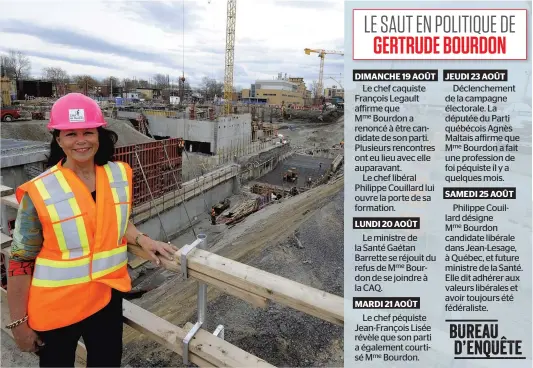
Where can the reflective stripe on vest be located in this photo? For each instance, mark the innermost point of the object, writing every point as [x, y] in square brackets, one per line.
[118, 179]
[65, 214]
[49, 273]
[109, 261]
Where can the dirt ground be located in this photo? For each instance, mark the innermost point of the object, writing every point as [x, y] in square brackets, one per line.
[307, 247]
[305, 166]
[304, 135]
[11, 355]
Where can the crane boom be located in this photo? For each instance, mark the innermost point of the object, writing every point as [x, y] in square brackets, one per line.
[230, 51]
[321, 54]
[340, 84]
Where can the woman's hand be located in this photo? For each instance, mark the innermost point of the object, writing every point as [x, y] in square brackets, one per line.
[27, 340]
[154, 247]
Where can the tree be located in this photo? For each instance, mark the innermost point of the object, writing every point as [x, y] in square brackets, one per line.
[129, 84]
[110, 83]
[16, 65]
[161, 80]
[211, 88]
[85, 82]
[143, 83]
[58, 77]
[314, 89]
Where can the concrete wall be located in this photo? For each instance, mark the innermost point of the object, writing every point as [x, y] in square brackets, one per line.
[14, 176]
[234, 132]
[189, 130]
[195, 164]
[224, 133]
[175, 220]
[258, 165]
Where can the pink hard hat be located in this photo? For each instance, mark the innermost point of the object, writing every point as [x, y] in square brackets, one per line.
[75, 111]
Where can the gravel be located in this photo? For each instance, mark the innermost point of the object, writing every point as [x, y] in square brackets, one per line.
[281, 335]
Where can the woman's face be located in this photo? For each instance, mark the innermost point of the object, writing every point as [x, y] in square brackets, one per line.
[79, 144]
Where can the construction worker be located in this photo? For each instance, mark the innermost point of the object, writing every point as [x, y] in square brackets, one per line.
[68, 268]
[213, 216]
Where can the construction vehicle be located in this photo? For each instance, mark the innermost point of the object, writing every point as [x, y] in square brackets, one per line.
[10, 113]
[290, 175]
[321, 55]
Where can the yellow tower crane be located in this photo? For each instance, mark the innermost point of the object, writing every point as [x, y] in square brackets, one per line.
[322, 54]
[230, 51]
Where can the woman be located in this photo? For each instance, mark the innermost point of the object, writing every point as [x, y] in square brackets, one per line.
[69, 261]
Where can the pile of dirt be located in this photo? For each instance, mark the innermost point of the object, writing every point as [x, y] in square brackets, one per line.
[305, 135]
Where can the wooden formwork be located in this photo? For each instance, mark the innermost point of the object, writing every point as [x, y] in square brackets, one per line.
[159, 161]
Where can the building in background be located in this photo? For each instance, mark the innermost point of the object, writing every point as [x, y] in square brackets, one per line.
[33, 89]
[334, 93]
[149, 93]
[290, 91]
[131, 95]
[301, 89]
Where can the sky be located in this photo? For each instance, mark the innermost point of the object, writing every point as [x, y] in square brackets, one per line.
[137, 39]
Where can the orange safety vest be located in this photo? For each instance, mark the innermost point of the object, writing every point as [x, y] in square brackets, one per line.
[84, 252]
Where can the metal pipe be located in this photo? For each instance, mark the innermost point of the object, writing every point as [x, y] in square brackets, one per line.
[202, 287]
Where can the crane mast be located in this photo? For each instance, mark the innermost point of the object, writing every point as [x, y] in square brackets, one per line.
[230, 51]
[321, 54]
[321, 75]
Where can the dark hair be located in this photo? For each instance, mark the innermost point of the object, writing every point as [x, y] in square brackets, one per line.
[106, 150]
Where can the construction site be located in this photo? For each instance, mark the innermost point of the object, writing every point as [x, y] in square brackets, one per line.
[279, 204]
[258, 285]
